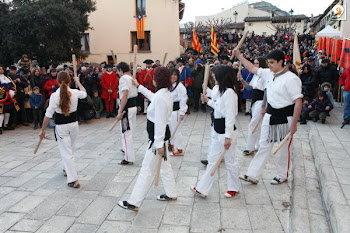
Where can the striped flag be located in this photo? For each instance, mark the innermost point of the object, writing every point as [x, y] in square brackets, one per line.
[214, 44]
[296, 54]
[196, 45]
[140, 27]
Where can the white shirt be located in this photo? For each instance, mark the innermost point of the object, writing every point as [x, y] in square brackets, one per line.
[6, 80]
[125, 83]
[180, 94]
[283, 90]
[226, 106]
[55, 101]
[213, 94]
[257, 83]
[159, 112]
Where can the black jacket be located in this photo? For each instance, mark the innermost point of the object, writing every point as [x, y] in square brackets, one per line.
[20, 94]
[327, 74]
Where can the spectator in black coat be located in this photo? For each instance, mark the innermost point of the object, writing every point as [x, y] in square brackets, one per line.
[327, 73]
[307, 80]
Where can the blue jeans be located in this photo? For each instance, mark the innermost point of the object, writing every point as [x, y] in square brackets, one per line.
[98, 115]
[346, 96]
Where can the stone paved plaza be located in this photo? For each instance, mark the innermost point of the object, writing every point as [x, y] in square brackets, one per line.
[34, 196]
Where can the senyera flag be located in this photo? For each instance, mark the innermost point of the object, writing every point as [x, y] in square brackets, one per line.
[196, 45]
[345, 54]
[214, 43]
[140, 27]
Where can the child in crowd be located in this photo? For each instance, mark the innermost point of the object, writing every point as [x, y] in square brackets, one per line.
[36, 102]
[98, 105]
[326, 87]
[322, 106]
[305, 110]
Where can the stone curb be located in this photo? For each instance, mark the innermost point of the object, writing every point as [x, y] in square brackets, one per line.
[336, 208]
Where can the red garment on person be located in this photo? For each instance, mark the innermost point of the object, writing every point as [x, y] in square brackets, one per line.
[147, 79]
[109, 82]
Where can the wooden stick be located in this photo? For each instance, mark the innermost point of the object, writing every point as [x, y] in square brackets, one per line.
[241, 42]
[257, 124]
[115, 123]
[165, 55]
[134, 66]
[158, 170]
[283, 142]
[177, 126]
[113, 57]
[206, 79]
[37, 146]
[74, 61]
[217, 164]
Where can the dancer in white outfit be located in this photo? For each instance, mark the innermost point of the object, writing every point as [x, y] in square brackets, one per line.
[64, 103]
[179, 96]
[158, 117]
[284, 103]
[257, 85]
[224, 135]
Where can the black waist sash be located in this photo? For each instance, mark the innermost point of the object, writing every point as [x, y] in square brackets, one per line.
[132, 102]
[176, 106]
[279, 116]
[150, 131]
[219, 125]
[61, 119]
[257, 95]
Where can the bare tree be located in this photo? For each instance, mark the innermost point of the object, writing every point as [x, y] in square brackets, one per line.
[220, 25]
[189, 26]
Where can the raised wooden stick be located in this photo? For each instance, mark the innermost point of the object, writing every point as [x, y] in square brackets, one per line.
[37, 146]
[257, 124]
[115, 123]
[134, 66]
[206, 79]
[217, 164]
[113, 57]
[283, 142]
[156, 182]
[177, 126]
[165, 55]
[240, 42]
[74, 61]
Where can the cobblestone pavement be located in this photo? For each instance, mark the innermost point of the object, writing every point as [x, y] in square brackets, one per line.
[34, 196]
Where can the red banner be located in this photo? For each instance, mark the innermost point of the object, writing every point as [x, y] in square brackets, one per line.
[336, 50]
[345, 54]
[329, 44]
[196, 45]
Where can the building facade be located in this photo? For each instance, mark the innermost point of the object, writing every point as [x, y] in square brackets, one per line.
[113, 28]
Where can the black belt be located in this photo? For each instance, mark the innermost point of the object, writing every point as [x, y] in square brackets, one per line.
[257, 95]
[132, 102]
[219, 125]
[279, 115]
[150, 131]
[61, 119]
[176, 106]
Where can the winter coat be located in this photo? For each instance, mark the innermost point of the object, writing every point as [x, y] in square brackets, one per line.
[36, 100]
[320, 105]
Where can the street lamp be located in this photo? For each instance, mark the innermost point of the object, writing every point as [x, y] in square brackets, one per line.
[290, 21]
[235, 15]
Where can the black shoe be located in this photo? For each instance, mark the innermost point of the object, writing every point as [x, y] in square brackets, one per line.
[164, 197]
[25, 124]
[124, 162]
[8, 128]
[35, 127]
[195, 110]
[112, 115]
[126, 205]
[205, 162]
[323, 121]
[204, 110]
[0, 130]
[74, 184]
[303, 122]
[246, 114]
[108, 115]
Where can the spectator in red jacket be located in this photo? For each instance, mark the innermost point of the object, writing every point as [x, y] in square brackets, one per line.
[50, 85]
[344, 81]
[109, 84]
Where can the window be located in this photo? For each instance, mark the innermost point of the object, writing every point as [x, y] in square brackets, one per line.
[140, 7]
[142, 45]
[85, 43]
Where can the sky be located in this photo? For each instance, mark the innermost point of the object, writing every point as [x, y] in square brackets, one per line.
[210, 7]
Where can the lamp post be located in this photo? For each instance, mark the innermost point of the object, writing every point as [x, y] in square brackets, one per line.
[235, 15]
[290, 21]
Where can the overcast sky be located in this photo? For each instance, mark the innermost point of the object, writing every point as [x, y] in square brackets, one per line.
[210, 7]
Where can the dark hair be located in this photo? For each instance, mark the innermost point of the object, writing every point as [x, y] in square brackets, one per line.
[306, 66]
[226, 77]
[277, 55]
[323, 94]
[123, 66]
[177, 72]
[5, 71]
[262, 62]
[308, 99]
[162, 78]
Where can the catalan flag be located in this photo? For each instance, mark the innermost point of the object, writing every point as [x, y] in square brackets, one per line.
[296, 54]
[140, 27]
[214, 44]
[196, 45]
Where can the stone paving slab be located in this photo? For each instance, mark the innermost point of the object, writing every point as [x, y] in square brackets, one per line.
[34, 196]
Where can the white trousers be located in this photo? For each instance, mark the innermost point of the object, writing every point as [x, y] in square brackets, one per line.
[177, 140]
[5, 117]
[147, 174]
[66, 137]
[216, 147]
[145, 105]
[127, 136]
[253, 139]
[265, 148]
[248, 104]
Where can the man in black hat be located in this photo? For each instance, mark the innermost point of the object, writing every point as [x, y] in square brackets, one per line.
[327, 73]
[147, 79]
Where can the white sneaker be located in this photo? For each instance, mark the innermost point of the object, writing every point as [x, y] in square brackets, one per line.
[277, 180]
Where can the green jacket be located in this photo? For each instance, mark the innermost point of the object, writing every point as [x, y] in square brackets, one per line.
[98, 105]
